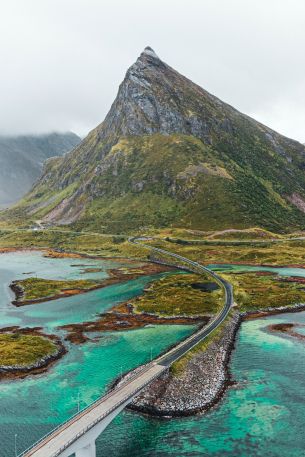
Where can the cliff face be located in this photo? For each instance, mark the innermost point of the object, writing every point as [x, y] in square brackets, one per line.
[168, 152]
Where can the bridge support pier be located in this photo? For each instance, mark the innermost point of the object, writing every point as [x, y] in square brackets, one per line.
[87, 451]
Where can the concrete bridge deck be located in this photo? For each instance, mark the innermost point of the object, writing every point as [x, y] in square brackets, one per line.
[77, 435]
[68, 433]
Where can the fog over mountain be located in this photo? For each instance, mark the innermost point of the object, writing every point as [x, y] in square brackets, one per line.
[62, 60]
[170, 153]
[22, 159]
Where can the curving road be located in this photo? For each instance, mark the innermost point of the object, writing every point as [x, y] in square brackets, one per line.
[181, 349]
[78, 434]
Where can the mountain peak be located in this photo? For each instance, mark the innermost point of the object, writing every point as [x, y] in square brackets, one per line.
[148, 57]
[167, 153]
[150, 52]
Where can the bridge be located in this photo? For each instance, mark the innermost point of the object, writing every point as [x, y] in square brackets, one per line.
[78, 434]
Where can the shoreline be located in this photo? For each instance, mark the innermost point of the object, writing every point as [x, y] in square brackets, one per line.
[145, 403]
[115, 321]
[56, 254]
[154, 399]
[116, 276]
[39, 367]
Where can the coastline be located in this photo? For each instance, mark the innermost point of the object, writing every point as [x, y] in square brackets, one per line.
[54, 253]
[116, 276]
[41, 366]
[163, 397]
[59, 254]
[206, 378]
[121, 318]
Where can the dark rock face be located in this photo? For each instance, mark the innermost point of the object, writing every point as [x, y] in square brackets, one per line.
[152, 99]
[169, 152]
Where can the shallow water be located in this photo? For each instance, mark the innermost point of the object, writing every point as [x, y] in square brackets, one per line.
[33, 406]
[263, 415]
[282, 271]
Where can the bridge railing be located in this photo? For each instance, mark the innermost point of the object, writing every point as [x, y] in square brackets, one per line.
[169, 258]
[164, 257]
[161, 256]
[109, 411]
[91, 405]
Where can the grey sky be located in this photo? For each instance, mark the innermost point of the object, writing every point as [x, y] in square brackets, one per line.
[62, 60]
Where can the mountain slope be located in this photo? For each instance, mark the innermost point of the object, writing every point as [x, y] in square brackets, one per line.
[22, 158]
[168, 152]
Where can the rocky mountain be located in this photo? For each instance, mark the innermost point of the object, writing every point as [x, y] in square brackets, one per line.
[170, 153]
[22, 158]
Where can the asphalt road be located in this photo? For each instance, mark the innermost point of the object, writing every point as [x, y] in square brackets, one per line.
[182, 348]
[68, 433]
[60, 439]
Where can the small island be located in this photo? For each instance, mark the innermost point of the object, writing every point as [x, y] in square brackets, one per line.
[27, 351]
[199, 379]
[36, 290]
[287, 328]
[174, 299]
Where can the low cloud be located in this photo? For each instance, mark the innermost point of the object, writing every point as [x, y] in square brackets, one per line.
[62, 60]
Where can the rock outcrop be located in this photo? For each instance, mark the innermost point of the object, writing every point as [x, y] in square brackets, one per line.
[169, 152]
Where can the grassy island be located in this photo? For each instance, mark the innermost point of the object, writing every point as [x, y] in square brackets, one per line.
[181, 294]
[261, 290]
[174, 299]
[33, 290]
[201, 376]
[24, 350]
[36, 290]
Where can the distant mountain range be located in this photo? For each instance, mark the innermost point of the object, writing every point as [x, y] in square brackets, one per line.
[22, 159]
[170, 153]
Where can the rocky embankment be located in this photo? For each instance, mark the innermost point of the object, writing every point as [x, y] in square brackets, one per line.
[200, 384]
[205, 376]
[271, 311]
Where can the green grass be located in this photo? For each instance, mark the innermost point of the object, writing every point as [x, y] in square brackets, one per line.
[283, 253]
[162, 180]
[174, 295]
[23, 350]
[253, 291]
[38, 288]
[91, 244]
[178, 367]
[122, 214]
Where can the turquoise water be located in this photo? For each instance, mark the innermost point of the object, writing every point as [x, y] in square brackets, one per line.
[282, 271]
[262, 415]
[33, 406]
